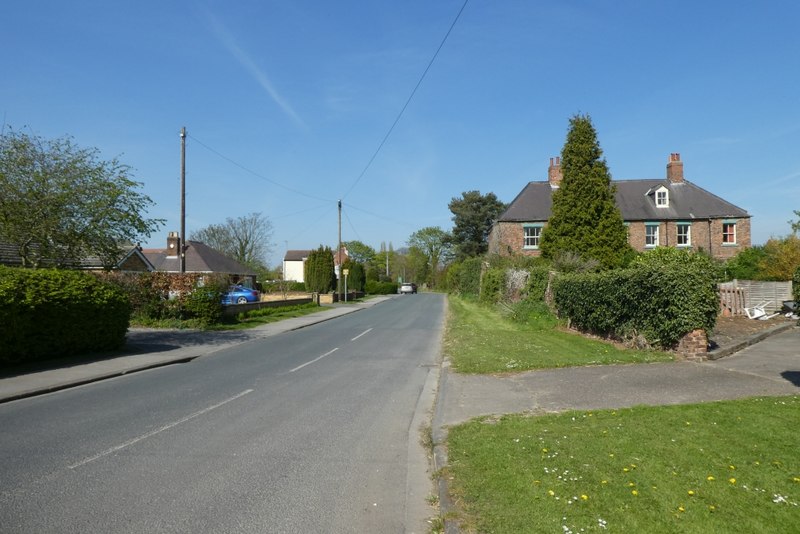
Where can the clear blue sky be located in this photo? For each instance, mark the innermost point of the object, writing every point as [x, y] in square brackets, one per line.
[298, 96]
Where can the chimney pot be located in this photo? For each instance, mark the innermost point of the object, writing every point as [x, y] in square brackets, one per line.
[675, 169]
[554, 175]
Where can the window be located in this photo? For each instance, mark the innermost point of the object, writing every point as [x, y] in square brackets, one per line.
[532, 234]
[684, 234]
[662, 197]
[729, 233]
[651, 235]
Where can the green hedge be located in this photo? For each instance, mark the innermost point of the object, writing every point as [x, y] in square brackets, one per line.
[373, 287]
[47, 313]
[661, 302]
[464, 278]
[493, 283]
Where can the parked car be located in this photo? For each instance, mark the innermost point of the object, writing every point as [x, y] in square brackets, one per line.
[408, 288]
[238, 294]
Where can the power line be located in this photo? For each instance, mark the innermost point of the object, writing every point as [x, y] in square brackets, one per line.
[408, 101]
[257, 175]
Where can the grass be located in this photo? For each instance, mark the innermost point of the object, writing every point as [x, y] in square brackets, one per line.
[241, 321]
[479, 339]
[718, 467]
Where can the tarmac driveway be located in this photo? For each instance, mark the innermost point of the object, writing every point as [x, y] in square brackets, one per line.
[771, 367]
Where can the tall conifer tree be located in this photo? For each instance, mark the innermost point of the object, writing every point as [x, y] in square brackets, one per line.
[585, 219]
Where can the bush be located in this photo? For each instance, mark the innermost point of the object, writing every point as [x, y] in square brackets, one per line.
[48, 313]
[205, 303]
[661, 298]
[493, 285]
[373, 287]
[464, 278]
[796, 285]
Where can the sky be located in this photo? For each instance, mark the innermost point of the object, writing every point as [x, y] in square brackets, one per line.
[395, 108]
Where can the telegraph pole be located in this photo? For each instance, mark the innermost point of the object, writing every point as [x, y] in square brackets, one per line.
[339, 251]
[182, 242]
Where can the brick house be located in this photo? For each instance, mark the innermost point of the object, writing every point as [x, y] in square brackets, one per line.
[670, 212]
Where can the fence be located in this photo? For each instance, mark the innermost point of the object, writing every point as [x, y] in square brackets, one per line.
[737, 295]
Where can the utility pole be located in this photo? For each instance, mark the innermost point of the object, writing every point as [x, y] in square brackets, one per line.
[182, 242]
[339, 251]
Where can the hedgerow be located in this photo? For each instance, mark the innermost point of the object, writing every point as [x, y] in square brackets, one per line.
[660, 298]
[49, 313]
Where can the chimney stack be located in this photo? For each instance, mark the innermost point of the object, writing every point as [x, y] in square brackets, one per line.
[675, 169]
[173, 243]
[554, 175]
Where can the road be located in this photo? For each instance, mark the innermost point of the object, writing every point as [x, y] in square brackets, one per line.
[316, 430]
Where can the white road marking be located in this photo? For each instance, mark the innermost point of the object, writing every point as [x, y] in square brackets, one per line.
[365, 332]
[158, 430]
[314, 360]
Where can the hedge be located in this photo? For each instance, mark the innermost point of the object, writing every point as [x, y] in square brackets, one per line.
[49, 313]
[662, 303]
[374, 287]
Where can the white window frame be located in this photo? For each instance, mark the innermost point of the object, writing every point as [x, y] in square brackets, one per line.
[732, 225]
[531, 241]
[662, 197]
[651, 238]
[687, 235]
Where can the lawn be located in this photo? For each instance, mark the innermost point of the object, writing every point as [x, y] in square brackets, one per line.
[718, 467]
[481, 340]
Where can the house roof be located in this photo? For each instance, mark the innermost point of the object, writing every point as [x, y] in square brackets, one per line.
[635, 200]
[9, 255]
[200, 258]
[296, 255]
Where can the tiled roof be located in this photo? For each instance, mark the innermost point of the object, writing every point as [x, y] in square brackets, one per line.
[296, 255]
[200, 258]
[635, 200]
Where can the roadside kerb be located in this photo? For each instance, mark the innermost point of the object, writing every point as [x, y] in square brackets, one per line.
[151, 348]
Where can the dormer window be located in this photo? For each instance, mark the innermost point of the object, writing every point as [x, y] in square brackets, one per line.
[662, 197]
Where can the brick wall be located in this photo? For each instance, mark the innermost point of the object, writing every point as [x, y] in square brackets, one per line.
[507, 238]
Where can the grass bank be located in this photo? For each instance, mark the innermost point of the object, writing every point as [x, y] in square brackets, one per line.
[717, 467]
[480, 339]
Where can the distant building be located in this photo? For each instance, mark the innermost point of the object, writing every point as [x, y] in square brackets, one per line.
[671, 212]
[200, 258]
[294, 265]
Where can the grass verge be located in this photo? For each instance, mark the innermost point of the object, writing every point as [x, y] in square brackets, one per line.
[241, 321]
[717, 467]
[479, 339]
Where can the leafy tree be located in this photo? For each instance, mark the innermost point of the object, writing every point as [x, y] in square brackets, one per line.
[60, 203]
[319, 273]
[473, 216]
[795, 224]
[782, 258]
[359, 252]
[356, 276]
[245, 239]
[746, 265]
[585, 219]
[434, 244]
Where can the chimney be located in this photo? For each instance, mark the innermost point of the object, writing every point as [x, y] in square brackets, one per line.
[554, 172]
[173, 242]
[675, 169]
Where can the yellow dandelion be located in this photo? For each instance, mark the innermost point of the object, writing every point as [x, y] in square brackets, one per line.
[625, 469]
[688, 423]
[732, 467]
[537, 482]
[551, 492]
[585, 497]
[796, 479]
[691, 493]
[712, 508]
[681, 509]
[604, 482]
[631, 484]
[710, 478]
[544, 450]
[634, 493]
[732, 480]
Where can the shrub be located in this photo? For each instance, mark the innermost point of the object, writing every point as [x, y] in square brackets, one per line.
[661, 298]
[796, 285]
[205, 303]
[538, 279]
[464, 278]
[373, 287]
[48, 313]
[493, 284]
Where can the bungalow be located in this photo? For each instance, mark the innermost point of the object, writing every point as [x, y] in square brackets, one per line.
[670, 212]
[131, 259]
[200, 258]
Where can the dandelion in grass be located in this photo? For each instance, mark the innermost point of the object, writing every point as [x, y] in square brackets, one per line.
[691, 493]
[732, 480]
[712, 508]
[584, 497]
[635, 493]
[681, 509]
[710, 478]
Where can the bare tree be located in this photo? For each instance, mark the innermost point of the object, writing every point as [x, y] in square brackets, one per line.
[246, 239]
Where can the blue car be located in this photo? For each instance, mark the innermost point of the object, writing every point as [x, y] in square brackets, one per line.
[240, 295]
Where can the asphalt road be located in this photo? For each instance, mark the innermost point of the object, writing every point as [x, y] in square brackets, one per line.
[316, 430]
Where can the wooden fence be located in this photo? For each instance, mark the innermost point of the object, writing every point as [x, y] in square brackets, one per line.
[737, 295]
